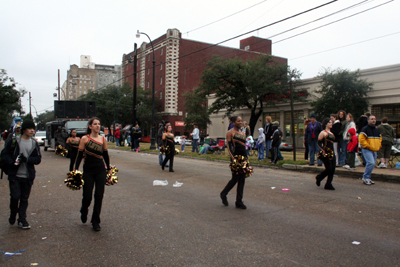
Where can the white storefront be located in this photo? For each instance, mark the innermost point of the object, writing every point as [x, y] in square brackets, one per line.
[384, 101]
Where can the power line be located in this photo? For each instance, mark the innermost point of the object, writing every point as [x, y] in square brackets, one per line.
[225, 17]
[334, 21]
[346, 45]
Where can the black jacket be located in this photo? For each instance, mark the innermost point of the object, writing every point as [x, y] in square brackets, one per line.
[10, 155]
[268, 131]
[361, 123]
[336, 127]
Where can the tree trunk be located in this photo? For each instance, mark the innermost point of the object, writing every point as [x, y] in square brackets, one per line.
[253, 120]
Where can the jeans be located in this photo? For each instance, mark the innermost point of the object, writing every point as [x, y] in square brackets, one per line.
[370, 158]
[267, 147]
[261, 152]
[20, 190]
[136, 143]
[342, 151]
[312, 146]
[182, 148]
[195, 145]
[117, 142]
[336, 151]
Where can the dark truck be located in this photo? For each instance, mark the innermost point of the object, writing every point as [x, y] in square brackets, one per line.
[69, 115]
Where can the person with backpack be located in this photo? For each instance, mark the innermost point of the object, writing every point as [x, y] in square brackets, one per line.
[19, 156]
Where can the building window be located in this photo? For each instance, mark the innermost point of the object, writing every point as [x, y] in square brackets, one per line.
[81, 76]
[148, 71]
[161, 51]
[85, 76]
[161, 80]
[160, 95]
[161, 66]
[84, 87]
[80, 87]
[148, 85]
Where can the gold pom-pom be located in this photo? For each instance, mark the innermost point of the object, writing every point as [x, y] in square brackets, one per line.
[241, 165]
[112, 178]
[74, 180]
[177, 151]
[60, 150]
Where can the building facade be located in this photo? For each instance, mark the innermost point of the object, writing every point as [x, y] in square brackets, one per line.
[384, 101]
[179, 64]
[89, 76]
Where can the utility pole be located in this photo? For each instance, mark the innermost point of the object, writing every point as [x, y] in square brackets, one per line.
[58, 84]
[134, 85]
[30, 106]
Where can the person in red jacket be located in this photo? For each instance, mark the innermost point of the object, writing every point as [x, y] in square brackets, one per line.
[352, 149]
[117, 137]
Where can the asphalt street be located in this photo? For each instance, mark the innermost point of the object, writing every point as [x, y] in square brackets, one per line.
[146, 225]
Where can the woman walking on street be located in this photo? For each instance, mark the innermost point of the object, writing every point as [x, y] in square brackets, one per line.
[388, 136]
[73, 142]
[326, 138]
[169, 145]
[94, 172]
[236, 146]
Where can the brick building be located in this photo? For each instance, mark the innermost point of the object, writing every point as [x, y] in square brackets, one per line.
[179, 65]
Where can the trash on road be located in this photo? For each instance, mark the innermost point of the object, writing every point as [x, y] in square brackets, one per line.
[34, 264]
[45, 237]
[285, 189]
[273, 187]
[177, 184]
[356, 243]
[359, 198]
[160, 183]
[9, 254]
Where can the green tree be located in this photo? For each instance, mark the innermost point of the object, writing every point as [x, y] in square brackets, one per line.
[341, 90]
[9, 99]
[43, 118]
[237, 84]
[197, 110]
[120, 100]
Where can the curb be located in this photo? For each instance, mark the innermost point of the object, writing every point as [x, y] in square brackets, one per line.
[344, 173]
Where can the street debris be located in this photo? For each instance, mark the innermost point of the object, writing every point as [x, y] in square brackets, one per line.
[9, 254]
[160, 183]
[177, 184]
[359, 198]
[356, 243]
[285, 189]
[273, 187]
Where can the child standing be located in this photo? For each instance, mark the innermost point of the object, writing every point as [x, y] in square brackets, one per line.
[260, 144]
[249, 144]
[183, 142]
[352, 149]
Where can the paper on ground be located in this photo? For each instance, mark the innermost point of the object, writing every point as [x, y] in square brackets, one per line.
[177, 184]
[160, 182]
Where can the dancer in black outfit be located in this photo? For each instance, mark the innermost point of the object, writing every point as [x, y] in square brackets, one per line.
[236, 146]
[168, 141]
[327, 137]
[94, 173]
[73, 142]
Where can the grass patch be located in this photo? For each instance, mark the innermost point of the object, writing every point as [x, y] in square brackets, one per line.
[288, 156]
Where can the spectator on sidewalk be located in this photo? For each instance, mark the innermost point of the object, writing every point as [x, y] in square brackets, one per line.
[275, 143]
[311, 136]
[388, 136]
[342, 147]
[306, 150]
[361, 123]
[195, 135]
[336, 127]
[117, 135]
[370, 140]
[352, 150]
[260, 144]
[268, 133]
[349, 125]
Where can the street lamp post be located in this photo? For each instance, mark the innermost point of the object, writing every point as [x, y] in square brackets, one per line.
[153, 127]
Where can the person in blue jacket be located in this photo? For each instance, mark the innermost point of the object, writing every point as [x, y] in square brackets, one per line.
[311, 136]
[20, 155]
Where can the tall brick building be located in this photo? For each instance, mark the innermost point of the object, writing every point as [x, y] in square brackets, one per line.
[179, 67]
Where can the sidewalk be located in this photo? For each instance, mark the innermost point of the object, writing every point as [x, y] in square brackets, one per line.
[386, 175]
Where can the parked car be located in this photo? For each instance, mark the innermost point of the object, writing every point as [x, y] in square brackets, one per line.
[40, 137]
[178, 141]
[285, 147]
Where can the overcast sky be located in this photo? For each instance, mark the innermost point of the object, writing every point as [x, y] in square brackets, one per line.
[39, 37]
